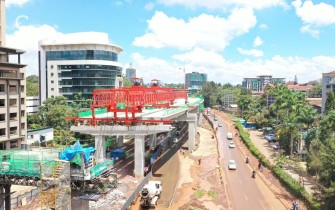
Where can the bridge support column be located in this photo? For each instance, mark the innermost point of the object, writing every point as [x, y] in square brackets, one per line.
[7, 197]
[192, 130]
[100, 147]
[139, 155]
[119, 140]
[153, 140]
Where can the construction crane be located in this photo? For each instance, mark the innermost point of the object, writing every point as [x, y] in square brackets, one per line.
[125, 102]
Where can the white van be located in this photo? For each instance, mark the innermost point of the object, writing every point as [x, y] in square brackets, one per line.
[229, 136]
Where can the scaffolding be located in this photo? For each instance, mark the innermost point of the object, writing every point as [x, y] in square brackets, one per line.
[55, 185]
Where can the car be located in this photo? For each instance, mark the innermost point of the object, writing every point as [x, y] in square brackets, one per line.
[232, 165]
[215, 119]
[219, 125]
[231, 145]
[276, 147]
[270, 137]
[229, 136]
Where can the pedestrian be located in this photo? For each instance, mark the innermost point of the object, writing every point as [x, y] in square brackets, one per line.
[294, 204]
[199, 160]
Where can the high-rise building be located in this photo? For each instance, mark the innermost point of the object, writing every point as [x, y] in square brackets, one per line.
[328, 82]
[258, 84]
[130, 72]
[78, 63]
[13, 126]
[195, 80]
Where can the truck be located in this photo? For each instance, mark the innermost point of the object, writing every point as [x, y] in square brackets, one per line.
[150, 194]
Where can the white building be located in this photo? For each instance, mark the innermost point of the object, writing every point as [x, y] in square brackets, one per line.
[40, 135]
[130, 72]
[32, 103]
[77, 63]
[13, 126]
[328, 82]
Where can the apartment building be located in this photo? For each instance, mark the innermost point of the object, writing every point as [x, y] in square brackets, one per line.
[259, 83]
[13, 126]
[328, 82]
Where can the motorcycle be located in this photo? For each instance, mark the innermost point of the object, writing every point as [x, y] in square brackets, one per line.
[247, 160]
[253, 175]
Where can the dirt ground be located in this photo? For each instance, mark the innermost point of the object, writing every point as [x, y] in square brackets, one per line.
[200, 184]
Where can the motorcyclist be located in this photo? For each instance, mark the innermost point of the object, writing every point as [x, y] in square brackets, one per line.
[247, 160]
[253, 175]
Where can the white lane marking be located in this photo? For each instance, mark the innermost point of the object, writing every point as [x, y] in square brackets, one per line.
[246, 198]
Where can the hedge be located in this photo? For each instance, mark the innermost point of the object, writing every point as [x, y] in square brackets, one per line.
[288, 182]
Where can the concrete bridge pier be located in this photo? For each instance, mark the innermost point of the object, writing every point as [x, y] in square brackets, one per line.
[192, 130]
[139, 156]
[119, 140]
[153, 140]
[100, 147]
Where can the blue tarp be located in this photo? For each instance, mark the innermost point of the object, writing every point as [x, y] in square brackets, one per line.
[71, 152]
[118, 153]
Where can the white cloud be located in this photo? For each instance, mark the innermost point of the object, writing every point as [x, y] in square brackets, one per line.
[204, 31]
[26, 37]
[308, 29]
[263, 26]
[149, 6]
[221, 4]
[258, 41]
[315, 14]
[15, 2]
[252, 52]
[223, 71]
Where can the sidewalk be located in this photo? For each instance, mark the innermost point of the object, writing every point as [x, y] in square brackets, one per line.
[266, 149]
[266, 175]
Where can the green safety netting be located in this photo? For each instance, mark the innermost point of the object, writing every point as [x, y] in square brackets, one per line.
[89, 113]
[100, 168]
[25, 163]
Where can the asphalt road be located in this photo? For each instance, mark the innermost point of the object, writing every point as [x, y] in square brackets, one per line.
[244, 192]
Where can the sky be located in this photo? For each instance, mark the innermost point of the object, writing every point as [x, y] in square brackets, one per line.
[227, 39]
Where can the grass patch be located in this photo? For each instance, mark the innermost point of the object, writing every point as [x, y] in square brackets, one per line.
[200, 193]
[194, 208]
[212, 194]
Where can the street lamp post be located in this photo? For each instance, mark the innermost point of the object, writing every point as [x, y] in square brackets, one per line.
[184, 77]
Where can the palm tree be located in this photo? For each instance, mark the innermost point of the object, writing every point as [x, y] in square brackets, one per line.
[290, 124]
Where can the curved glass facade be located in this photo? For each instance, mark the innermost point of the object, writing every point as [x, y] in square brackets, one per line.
[81, 55]
[85, 78]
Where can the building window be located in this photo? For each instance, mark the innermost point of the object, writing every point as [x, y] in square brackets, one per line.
[23, 126]
[52, 89]
[13, 130]
[22, 113]
[2, 117]
[13, 144]
[22, 101]
[12, 88]
[52, 66]
[52, 74]
[52, 81]
[2, 88]
[12, 116]
[22, 75]
[12, 102]
[2, 131]
[22, 88]
[327, 86]
[2, 102]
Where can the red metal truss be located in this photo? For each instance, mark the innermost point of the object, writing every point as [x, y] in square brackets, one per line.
[131, 101]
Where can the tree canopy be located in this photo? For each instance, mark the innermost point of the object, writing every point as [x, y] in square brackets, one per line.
[32, 85]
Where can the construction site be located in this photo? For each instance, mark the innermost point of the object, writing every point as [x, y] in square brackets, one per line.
[133, 129]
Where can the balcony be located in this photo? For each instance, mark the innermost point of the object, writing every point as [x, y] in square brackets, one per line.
[11, 75]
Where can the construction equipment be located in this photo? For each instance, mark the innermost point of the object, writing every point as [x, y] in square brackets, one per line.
[150, 194]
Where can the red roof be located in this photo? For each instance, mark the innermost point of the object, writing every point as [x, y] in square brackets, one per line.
[300, 87]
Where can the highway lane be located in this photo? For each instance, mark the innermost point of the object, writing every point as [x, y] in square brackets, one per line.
[245, 192]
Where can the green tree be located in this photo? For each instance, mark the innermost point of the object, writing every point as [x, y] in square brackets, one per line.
[32, 85]
[330, 102]
[316, 91]
[290, 125]
[127, 82]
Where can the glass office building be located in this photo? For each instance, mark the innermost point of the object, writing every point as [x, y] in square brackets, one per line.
[195, 79]
[70, 68]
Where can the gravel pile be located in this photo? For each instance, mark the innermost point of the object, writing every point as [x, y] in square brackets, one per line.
[113, 200]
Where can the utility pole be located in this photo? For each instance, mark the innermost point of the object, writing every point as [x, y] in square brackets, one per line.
[184, 77]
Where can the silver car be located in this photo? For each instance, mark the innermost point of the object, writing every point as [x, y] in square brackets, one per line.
[232, 165]
[231, 145]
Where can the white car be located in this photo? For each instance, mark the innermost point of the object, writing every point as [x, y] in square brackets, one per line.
[220, 125]
[232, 165]
[231, 145]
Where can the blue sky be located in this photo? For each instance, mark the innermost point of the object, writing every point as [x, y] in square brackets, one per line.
[227, 39]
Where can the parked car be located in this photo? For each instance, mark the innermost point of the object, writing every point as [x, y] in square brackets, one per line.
[270, 137]
[231, 145]
[232, 165]
[276, 147]
[219, 125]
